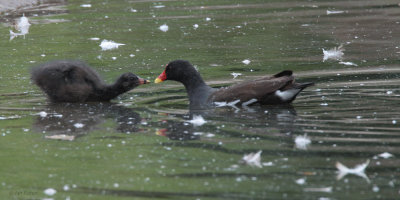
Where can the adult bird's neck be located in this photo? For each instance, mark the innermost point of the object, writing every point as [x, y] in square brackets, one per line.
[192, 83]
[197, 90]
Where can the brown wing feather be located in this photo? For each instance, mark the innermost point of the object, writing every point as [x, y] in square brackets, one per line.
[250, 89]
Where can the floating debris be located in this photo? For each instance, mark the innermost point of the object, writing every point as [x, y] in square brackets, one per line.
[302, 141]
[215, 65]
[60, 137]
[197, 120]
[208, 19]
[10, 117]
[323, 189]
[22, 26]
[358, 170]
[330, 12]
[246, 61]
[86, 5]
[235, 75]
[50, 191]
[108, 45]
[348, 63]
[232, 168]
[333, 54]
[195, 26]
[42, 114]
[210, 135]
[79, 125]
[133, 10]
[94, 38]
[385, 155]
[301, 181]
[198, 133]
[66, 187]
[164, 28]
[159, 6]
[375, 188]
[252, 159]
[268, 164]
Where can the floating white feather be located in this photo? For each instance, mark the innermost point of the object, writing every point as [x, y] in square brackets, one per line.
[22, 26]
[164, 28]
[302, 141]
[108, 45]
[253, 159]
[197, 120]
[333, 54]
[358, 170]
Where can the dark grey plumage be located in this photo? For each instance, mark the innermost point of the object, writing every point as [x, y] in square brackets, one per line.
[278, 89]
[74, 81]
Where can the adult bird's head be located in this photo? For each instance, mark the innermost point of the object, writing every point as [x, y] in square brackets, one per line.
[177, 70]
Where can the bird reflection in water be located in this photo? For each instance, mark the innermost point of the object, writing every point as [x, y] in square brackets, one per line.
[280, 117]
[67, 121]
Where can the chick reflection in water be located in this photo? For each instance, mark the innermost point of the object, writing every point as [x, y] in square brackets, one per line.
[67, 121]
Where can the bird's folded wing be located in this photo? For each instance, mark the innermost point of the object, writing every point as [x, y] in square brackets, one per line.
[248, 90]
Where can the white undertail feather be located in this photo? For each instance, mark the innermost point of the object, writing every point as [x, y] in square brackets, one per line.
[224, 103]
[249, 102]
[287, 94]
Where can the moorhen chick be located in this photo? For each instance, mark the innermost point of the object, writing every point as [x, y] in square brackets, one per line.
[278, 89]
[74, 81]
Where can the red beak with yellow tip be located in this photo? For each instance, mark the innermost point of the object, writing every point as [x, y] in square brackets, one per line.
[161, 77]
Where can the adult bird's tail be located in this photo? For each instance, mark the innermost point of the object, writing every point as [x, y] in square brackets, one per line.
[302, 86]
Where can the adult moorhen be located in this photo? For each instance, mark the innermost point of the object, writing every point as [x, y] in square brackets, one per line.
[278, 89]
[74, 81]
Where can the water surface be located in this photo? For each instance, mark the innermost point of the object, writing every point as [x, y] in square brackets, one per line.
[142, 144]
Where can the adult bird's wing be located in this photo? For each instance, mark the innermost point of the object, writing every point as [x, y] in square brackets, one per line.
[248, 90]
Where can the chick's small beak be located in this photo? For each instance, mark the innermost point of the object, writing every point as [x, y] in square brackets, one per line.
[143, 81]
[161, 78]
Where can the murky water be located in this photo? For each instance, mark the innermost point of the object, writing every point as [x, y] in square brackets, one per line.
[143, 146]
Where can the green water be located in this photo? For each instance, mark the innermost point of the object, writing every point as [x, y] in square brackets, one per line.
[142, 147]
